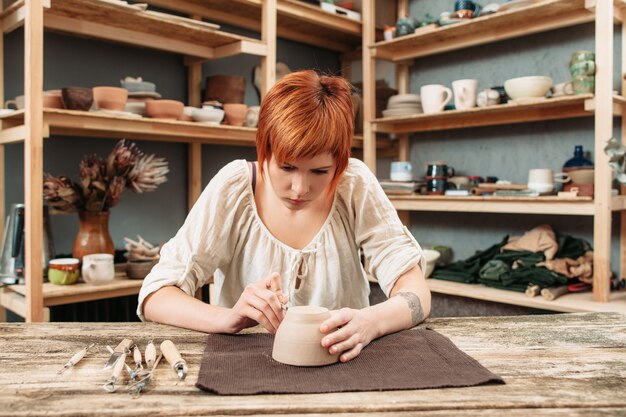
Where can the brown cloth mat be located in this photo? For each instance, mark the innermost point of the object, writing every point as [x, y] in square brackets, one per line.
[412, 359]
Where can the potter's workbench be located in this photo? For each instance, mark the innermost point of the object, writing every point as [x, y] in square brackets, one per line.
[557, 365]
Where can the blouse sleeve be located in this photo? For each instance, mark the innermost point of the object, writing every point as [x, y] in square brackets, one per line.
[389, 247]
[204, 242]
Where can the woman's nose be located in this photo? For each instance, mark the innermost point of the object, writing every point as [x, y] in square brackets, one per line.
[300, 185]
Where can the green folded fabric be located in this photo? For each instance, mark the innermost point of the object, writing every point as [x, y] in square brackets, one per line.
[492, 270]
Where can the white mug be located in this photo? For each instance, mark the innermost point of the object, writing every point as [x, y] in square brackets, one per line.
[542, 179]
[465, 93]
[401, 171]
[435, 97]
[98, 268]
[16, 104]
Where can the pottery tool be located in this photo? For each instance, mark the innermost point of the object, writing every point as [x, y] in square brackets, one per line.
[150, 354]
[76, 358]
[135, 388]
[123, 347]
[109, 386]
[137, 358]
[173, 357]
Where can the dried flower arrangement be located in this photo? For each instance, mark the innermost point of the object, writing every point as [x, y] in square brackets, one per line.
[103, 181]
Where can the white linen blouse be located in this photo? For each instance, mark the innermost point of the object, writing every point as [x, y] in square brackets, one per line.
[224, 237]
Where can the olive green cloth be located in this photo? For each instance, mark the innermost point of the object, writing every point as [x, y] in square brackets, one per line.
[242, 364]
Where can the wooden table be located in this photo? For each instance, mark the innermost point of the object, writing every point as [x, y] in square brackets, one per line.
[556, 365]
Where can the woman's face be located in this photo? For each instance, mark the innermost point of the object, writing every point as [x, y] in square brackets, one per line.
[298, 183]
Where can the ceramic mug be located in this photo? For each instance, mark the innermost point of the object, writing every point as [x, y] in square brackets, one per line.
[435, 97]
[585, 84]
[401, 171]
[542, 179]
[465, 93]
[436, 186]
[98, 268]
[63, 271]
[582, 68]
[16, 104]
[439, 169]
[580, 56]
[466, 9]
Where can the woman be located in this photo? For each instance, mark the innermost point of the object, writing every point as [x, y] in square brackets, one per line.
[290, 230]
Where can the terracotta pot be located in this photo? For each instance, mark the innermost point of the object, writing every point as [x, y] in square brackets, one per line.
[77, 98]
[52, 99]
[110, 98]
[235, 113]
[93, 234]
[225, 88]
[164, 109]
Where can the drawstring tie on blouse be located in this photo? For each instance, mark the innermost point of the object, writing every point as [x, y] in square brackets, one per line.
[299, 269]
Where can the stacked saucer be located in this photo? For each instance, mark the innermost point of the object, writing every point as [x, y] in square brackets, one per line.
[403, 105]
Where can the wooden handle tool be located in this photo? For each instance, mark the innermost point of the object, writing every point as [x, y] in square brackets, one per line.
[76, 358]
[117, 352]
[173, 357]
[150, 354]
[109, 386]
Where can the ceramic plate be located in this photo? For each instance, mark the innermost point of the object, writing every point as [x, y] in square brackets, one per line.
[5, 112]
[144, 94]
[118, 113]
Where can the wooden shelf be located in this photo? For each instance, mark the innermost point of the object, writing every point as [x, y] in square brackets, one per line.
[54, 295]
[569, 303]
[538, 17]
[129, 25]
[296, 20]
[80, 123]
[548, 109]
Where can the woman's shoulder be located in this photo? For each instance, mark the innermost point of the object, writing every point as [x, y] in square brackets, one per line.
[357, 173]
[233, 173]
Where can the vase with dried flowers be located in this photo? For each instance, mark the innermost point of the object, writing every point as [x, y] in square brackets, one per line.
[100, 188]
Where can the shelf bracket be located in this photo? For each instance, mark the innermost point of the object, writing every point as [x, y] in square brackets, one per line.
[15, 134]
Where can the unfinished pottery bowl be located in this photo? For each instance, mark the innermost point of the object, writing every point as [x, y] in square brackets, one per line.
[52, 99]
[139, 269]
[136, 86]
[77, 98]
[235, 113]
[208, 115]
[298, 340]
[164, 109]
[525, 87]
[110, 98]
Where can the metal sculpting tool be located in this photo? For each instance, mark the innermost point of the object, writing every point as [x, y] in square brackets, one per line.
[174, 359]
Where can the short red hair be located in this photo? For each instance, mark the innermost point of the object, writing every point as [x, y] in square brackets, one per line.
[306, 114]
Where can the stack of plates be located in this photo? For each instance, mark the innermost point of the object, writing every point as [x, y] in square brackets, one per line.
[403, 105]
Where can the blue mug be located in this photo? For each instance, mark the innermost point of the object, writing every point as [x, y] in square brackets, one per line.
[401, 171]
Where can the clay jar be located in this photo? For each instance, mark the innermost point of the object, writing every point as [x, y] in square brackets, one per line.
[298, 340]
[235, 113]
[77, 98]
[110, 98]
[225, 88]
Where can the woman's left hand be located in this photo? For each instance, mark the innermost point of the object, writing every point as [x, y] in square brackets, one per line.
[347, 332]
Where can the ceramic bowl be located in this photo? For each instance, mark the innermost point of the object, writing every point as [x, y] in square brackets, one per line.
[136, 107]
[532, 86]
[298, 340]
[235, 113]
[138, 269]
[110, 98]
[208, 115]
[77, 98]
[63, 271]
[138, 86]
[164, 109]
[431, 257]
[52, 99]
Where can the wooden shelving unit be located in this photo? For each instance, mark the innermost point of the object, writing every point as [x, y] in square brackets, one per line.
[537, 16]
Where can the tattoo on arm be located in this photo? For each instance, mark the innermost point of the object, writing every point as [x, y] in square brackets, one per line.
[415, 305]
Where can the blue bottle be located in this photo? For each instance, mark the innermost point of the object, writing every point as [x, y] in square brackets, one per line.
[578, 161]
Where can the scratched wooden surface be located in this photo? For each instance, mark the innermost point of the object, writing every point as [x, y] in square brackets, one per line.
[553, 365]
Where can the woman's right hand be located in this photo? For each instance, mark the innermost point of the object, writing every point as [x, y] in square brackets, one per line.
[260, 303]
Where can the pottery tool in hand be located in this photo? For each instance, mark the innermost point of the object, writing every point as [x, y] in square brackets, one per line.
[173, 357]
[76, 358]
[123, 347]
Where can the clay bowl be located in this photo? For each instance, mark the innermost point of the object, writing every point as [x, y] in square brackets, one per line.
[298, 340]
[164, 109]
[139, 269]
[208, 115]
[77, 98]
[524, 87]
[110, 98]
[431, 257]
[235, 113]
[581, 176]
[52, 99]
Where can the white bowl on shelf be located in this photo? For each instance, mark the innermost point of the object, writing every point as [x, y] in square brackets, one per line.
[208, 115]
[431, 257]
[525, 87]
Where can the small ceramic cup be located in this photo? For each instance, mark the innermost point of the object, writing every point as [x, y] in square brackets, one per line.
[298, 339]
[465, 92]
[584, 84]
[542, 179]
[401, 171]
[235, 113]
[98, 268]
[439, 169]
[63, 271]
[16, 104]
[435, 97]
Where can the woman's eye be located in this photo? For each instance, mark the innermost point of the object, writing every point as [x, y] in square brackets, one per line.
[287, 168]
[320, 171]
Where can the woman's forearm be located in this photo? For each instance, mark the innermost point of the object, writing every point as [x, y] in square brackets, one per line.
[171, 305]
[407, 306]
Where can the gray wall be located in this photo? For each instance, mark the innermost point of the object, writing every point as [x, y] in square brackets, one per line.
[508, 151]
[71, 61]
